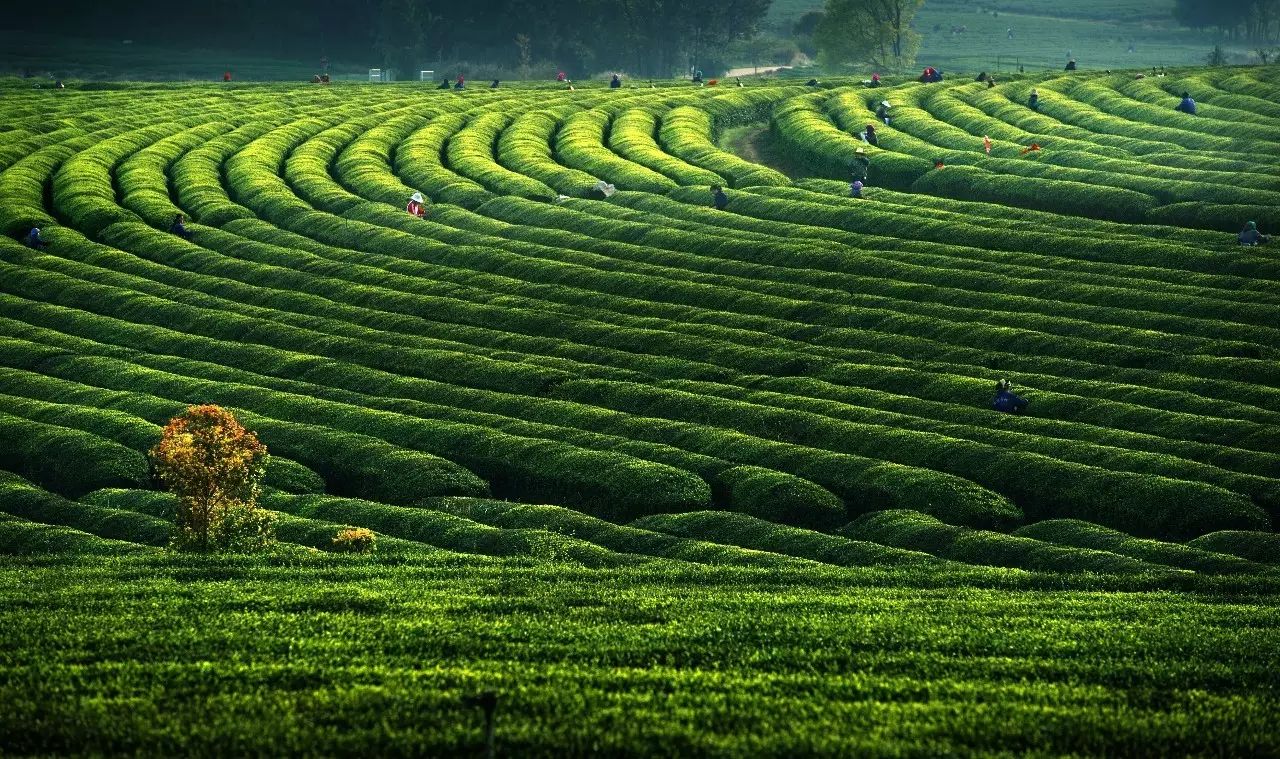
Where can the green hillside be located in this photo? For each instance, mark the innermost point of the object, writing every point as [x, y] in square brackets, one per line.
[666, 478]
[1097, 33]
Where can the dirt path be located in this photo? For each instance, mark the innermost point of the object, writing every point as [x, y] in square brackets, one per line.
[754, 143]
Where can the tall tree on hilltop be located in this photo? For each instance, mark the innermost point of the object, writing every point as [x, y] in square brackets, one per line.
[1250, 20]
[874, 32]
[663, 36]
[804, 30]
[401, 35]
[712, 26]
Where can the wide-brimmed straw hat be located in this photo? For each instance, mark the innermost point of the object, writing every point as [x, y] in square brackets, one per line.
[416, 197]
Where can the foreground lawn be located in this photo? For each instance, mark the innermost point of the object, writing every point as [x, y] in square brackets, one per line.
[157, 655]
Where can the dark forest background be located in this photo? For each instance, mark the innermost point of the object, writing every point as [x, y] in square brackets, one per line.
[644, 37]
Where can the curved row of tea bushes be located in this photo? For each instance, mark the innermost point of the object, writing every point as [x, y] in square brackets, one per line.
[21, 537]
[525, 147]
[310, 533]
[746, 489]
[808, 135]
[22, 186]
[937, 119]
[958, 403]
[1008, 136]
[418, 161]
[21, 498]
[83, 186]
[865, 483]
[918, 532]
[349, 462]
[943, 344]
[612, 483]
[174, 307]
[1081, 105]
[447, 531]
[364, 164]
[760, 535]
[930, 134]
[197, 176]
[879, 299]
[970, 268]
[619, 538]
[1243, 103]
[990, 215]
[803, 206]
[580, 143]
[1008, 105]
[864, 218]
[1077, 534]
[1263, 490]
[1263, 547]
[18, 151]
[1043, 486]
[306, 169]
[140, 435]
[1021, 181]
[67, 461]
[470, 152]
[1205, 131]
[187, 281]
[142, 178]
[1136, 408]
[633, 134]
[686, 133]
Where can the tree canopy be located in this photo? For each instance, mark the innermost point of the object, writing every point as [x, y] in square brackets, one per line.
[215, 467]
[644, 37]
[1251, 20]
[871, 32]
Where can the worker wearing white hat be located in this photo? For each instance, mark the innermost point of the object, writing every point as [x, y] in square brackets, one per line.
[417, 205]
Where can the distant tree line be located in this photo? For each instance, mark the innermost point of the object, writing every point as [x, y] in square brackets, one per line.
[1243, 20]
[644, 37]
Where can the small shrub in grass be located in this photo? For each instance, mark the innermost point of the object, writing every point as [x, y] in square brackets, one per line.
[354, 540]
[215, 467]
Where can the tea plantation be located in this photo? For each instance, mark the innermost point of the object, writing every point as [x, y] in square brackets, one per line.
[665, 479]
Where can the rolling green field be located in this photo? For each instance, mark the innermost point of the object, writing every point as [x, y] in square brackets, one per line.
[165, 656]
[1098, 33]
[667, 479]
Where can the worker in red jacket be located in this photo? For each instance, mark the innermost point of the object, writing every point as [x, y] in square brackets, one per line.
[417, 205]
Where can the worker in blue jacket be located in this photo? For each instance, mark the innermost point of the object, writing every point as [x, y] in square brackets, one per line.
[34, 240]
[1006, 401]
[1187, 106]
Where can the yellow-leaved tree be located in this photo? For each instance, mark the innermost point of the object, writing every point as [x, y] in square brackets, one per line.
[215, 467]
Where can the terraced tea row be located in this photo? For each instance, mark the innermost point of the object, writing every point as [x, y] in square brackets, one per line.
[1110, 147]
[803, 358]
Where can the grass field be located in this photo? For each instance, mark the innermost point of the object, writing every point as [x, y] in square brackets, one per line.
[1095, 32]
[670, 480]
[347, 657]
